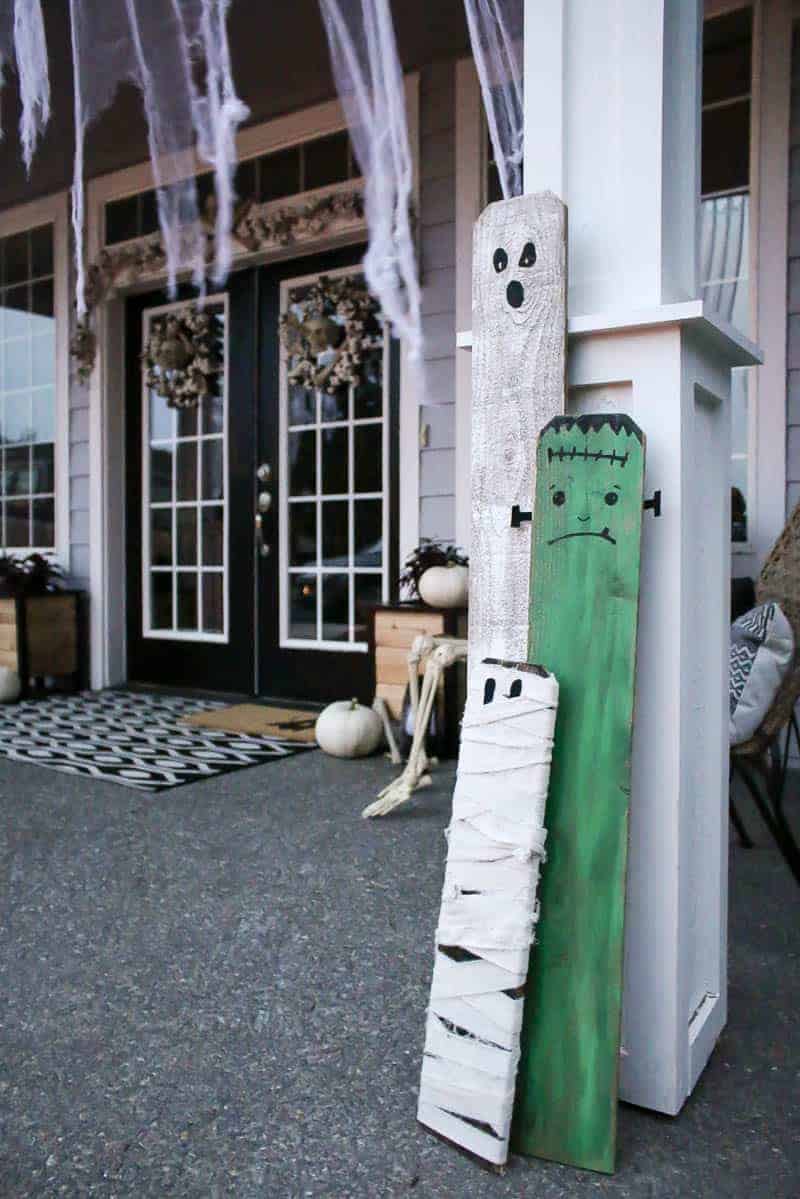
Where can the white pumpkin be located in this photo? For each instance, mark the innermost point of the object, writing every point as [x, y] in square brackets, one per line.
[445, 586]
[346, 729]
[10, 686]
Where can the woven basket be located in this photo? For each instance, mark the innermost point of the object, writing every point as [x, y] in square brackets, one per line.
[779, 581]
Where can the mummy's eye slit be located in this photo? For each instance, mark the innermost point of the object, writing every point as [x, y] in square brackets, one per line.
[515, 690]
[558, 498]
[488, 691]
[611, 498]
[528, 255]
[500, 260]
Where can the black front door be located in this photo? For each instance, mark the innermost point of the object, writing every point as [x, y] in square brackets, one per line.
[189, 475]
[328, 465]
[261, 523]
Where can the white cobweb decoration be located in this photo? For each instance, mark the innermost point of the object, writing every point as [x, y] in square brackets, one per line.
[496, 30]
[22, 44]
[369, 81]
[155, 44]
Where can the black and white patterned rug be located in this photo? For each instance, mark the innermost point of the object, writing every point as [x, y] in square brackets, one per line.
[131, 739]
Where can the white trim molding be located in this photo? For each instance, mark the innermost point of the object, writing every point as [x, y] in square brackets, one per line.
[52, 210]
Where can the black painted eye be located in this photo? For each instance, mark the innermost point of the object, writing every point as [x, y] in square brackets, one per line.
[515, 690]
[528, 255]
[500, 260]
[611, 498]
[488, 691]
[558, 498]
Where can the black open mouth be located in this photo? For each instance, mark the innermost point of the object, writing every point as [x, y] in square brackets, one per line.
[604, 536]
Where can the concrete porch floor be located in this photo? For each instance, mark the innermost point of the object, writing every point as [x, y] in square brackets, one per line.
[220, 991]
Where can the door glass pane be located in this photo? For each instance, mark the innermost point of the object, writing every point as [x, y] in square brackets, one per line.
[161, 536]
[368, 457]
[333, 407]
[302, 463]
[161, 599]
[213, 475]
[161, 473]
[213, 529]
[187, 600]
[161, 418]
[368, 532]
[335, 607]
[187, 536]
[213, 614]
[368, 395]
[335, 532]
[187, 422]
[187, 471]
[334, 461]
[303, 606]
[368, 594]
[302, 405]
[302, 534]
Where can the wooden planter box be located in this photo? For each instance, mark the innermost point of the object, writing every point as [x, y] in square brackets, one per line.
[39, 637]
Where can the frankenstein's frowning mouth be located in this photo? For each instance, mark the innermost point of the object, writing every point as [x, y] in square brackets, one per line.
[604, 536]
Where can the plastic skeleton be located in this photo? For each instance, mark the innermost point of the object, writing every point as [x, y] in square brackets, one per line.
[437, 653]
[488, 910]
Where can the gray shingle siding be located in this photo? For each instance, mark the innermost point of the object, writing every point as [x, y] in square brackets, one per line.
[438, 258]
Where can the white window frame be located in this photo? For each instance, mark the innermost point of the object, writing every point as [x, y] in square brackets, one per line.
[175, 634]
[52, 210]
[106, 431]
[720, 8]
[284, 501]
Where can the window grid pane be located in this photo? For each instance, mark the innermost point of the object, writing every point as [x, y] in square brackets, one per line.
[334, 562]
[27, 391]
[185, 512]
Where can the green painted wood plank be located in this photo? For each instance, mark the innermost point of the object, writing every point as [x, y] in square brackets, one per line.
[583, 618]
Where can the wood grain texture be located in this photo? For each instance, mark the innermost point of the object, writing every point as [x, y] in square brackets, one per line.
[584, 611]
[518, 363]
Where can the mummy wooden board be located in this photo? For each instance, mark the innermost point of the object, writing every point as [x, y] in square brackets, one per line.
[583, 622]
[488, 911]
[519, 315]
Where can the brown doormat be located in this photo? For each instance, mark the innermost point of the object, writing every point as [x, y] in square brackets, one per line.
[258, 720]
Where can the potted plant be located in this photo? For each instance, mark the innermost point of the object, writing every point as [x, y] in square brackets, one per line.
[437, 573]
[38, 620]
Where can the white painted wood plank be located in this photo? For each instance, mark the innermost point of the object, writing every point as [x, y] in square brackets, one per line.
[518, 368]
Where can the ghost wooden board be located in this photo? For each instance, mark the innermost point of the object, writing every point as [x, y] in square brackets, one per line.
[519, 320]
[583, 621]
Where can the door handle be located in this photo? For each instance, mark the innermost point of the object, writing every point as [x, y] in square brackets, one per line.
[264, 473]
[264, 501]
[263, 548]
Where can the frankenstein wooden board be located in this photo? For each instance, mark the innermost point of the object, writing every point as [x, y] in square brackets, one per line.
[583, 618]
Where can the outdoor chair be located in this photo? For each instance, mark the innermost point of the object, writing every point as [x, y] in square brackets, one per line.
[762, 761]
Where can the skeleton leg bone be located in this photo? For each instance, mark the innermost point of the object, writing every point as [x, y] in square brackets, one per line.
[415, 774]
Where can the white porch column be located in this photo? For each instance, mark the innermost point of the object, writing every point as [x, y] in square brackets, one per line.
[612, 114]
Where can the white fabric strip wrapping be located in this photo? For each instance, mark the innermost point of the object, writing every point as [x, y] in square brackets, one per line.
[496, 34]
[369, 81]
[496, 843]
[156, 44]
[22, 43]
